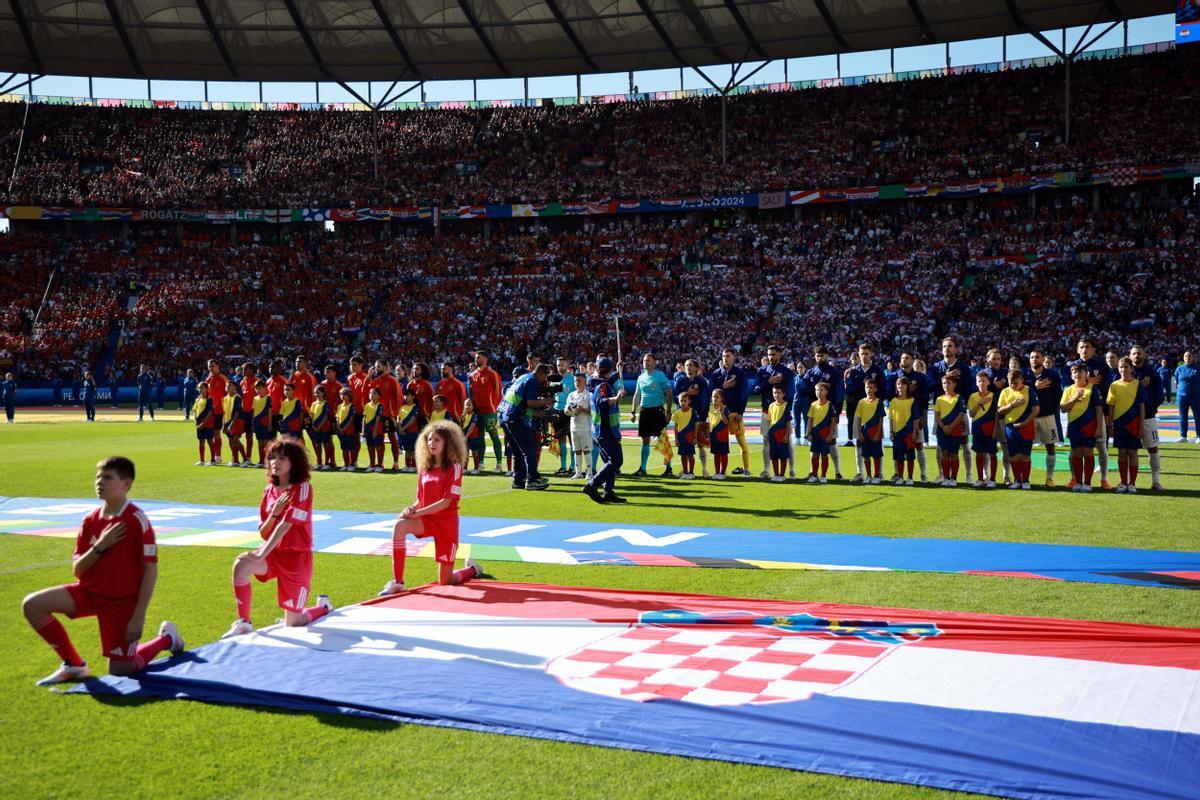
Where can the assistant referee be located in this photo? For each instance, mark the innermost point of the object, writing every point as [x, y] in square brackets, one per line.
[651, 408]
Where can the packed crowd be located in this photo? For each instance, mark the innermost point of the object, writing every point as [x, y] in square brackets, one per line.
[936, 129]
[996, 272]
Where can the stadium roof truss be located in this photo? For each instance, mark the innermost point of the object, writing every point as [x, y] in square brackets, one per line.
[414, 40]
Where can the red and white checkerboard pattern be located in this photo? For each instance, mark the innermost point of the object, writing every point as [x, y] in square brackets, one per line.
[714, 665]
[1124, 176]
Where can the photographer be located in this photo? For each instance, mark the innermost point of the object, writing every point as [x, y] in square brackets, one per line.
[517, 416]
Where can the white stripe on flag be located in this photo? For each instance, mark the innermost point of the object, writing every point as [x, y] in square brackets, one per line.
[1065, 688]
[494, 532]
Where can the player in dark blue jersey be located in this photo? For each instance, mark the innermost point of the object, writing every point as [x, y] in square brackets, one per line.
[997, 374]
[918, 388]
[1048, 428]
[774, 373]
[731, 380]
[1145, 372]
[1100, 377]
[696, 387]
[822, 371]
[964, 383]
[856, 378]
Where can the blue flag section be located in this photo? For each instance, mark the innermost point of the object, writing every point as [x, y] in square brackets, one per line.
[574, 542]
[1009, 706]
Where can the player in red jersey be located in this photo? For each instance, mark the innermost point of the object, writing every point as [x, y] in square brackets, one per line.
[333, 387]
[484, 387]
[218, 387]
[452, 391]
[275, 386]
[304, 382]
[441, 458]
[116, 567]
[359, 385]
[389, 397]
[286, 557]
[420, 385]
[249, 379]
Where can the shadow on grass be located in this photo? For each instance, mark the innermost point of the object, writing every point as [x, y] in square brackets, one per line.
[356, 722]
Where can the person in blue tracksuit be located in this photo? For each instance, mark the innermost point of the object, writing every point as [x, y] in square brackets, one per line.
[8, 392]
[145, 383]
[1187, 393]
[88, 394]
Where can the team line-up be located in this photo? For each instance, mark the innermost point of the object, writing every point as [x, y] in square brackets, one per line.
[981, 419]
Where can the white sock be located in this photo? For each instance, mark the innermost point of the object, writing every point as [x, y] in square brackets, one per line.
[967, 459]
[921, 462]
[1102, 459]
[858, 461]
[1051, 457]
[836, 455]
[704, 460]
[791, 459]
[1154, 465]
[939, 464]
[766, 455]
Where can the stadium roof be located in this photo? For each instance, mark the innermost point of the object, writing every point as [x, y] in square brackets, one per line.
[357, 40]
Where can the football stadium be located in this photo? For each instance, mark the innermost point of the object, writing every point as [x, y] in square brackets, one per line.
[646, 398]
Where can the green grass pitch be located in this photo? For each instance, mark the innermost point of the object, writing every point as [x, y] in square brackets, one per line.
[81, 747]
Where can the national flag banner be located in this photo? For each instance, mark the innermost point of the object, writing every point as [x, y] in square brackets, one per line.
[372, 214]
[1010, 706]
[799, 198]
[605, 206]
[1124, 176]
[862, 194]
[277, 215]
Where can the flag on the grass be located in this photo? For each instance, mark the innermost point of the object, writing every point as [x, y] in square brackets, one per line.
[1011, 706]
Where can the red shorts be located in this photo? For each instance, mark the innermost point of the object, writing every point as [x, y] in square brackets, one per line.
[445, 540]
[292, 572]
[113, 616]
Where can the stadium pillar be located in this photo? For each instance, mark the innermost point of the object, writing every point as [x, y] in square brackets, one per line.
[527, 96]
[92, 96]
[724, 98]
[375, 142]
[1067, 100]
[681, 88]
[579, 90]
[206, 100]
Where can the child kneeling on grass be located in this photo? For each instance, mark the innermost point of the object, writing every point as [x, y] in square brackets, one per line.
[440, 458]
[287, 555]
[116, 567]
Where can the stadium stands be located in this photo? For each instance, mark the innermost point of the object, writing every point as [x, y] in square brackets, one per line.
[960, 127]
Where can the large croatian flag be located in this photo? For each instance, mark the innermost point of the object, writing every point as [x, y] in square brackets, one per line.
[1011, 706]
